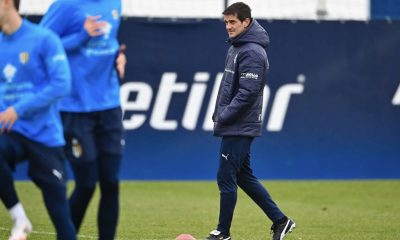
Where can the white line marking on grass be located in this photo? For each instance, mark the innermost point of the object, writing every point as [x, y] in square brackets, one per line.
[53, 234]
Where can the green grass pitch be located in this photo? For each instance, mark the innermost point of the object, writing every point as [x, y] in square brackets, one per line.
[152, 210]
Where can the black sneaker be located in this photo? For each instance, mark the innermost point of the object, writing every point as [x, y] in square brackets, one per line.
[280, 230]
[217, 235]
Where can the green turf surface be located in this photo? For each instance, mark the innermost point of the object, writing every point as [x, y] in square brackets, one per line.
[323, 210]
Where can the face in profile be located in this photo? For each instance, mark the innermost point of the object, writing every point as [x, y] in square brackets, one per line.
[234, 26]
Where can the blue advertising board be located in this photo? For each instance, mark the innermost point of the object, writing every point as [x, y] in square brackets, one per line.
[332, 101]
[385, 9]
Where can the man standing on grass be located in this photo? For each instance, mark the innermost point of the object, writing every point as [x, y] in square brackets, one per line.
[237, 119]
[91, 114]
[34, 75]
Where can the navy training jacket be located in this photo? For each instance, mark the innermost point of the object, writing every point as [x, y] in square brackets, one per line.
[240, 96]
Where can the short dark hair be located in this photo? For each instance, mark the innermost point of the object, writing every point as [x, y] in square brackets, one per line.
[16, 4]
[240, 9]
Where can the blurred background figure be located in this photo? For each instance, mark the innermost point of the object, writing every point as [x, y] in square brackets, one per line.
[34, 76]
[92, 114]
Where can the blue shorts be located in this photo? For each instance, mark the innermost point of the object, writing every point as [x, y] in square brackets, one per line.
[88, 135]
[46, 165]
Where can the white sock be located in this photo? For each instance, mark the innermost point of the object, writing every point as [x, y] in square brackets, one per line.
[17, 212]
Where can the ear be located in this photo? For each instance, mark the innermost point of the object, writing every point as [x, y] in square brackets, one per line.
[246, 22]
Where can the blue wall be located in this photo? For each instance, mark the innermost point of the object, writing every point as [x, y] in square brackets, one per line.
[385, 9]
[332, 85]
[342, 125]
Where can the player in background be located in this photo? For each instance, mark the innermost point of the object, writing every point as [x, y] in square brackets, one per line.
[237, 119]
[91, 114]
[34, 75]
